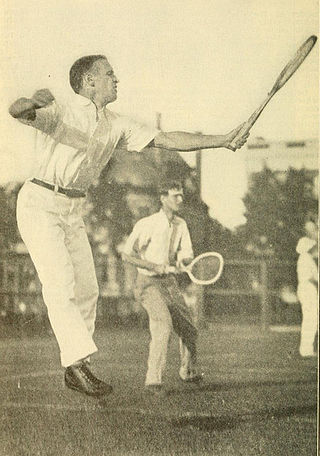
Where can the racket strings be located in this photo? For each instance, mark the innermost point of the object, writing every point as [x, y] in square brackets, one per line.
[206, 268]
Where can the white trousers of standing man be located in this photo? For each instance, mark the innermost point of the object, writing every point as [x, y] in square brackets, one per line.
[308, 297]
[53, 231]
[167, 311]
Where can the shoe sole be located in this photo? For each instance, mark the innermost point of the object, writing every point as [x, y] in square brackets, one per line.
[97, 395]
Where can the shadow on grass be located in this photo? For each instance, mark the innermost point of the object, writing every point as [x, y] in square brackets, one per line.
[220, 423]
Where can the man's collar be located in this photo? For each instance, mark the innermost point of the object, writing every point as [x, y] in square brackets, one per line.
[165, 217]
[83, 101]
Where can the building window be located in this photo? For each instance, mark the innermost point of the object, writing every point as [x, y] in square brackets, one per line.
[258, 146]
[295, 144]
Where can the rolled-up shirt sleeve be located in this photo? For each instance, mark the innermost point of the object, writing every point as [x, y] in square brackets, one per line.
[136, 136]
[185, 251]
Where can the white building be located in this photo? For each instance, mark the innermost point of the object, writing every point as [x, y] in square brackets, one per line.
[281, 155]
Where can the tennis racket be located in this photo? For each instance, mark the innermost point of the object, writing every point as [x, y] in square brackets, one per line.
[205, 269]
[283, 77]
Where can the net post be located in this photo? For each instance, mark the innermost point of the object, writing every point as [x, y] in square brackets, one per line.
[264, 316]
[198, 170]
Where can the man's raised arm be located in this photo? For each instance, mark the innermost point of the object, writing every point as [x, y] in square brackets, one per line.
[42, 113]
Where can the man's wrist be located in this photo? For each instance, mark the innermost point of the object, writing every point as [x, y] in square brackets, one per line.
[38, 104]
[225, 141]
[150, 266]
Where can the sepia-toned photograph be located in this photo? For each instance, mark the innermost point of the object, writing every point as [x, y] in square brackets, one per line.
[159, 227]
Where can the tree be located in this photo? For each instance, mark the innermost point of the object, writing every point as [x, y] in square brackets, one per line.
[277, 206]
[9, 234]
[127, 191]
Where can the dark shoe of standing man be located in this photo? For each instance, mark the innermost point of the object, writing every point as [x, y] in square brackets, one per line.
[80, 378]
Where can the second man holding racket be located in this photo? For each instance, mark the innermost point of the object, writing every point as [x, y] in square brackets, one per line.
[157, 243]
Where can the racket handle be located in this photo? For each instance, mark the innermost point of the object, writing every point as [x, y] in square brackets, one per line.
[243, 131]
[175, 270]
[251, 121]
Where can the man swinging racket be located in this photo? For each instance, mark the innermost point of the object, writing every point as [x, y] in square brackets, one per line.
[74, 143]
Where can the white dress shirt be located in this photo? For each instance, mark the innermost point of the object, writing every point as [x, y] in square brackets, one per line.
[157, 240]
[306, 266]
[75, 141]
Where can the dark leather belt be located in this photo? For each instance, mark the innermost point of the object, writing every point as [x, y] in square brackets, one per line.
[69, 192]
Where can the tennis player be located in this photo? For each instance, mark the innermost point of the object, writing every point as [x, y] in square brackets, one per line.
[157, 243]
[74, 142]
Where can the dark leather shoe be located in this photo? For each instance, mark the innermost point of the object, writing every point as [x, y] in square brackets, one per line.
[81, 379]
[155, 390]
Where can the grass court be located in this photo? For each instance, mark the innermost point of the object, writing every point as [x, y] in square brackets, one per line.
[258, 398]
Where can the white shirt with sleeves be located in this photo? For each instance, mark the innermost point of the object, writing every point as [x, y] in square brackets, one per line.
[74, 141]
[306, 269]
[150, 240]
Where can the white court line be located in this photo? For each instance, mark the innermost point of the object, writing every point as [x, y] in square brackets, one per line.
[285, 328]
[35, 405]
[286, 370]
[75, 408]
[218, 375]
[305, 419]
[50, 373]
[106, 408]
[265, 414]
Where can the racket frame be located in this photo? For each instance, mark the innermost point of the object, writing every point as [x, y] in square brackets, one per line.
[280, 82]
[188, 268]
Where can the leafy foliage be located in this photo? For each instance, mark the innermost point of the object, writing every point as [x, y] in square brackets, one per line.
[127, 191]
[277, 207]
[9, 234]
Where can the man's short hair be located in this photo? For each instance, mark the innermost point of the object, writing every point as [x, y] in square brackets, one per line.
[166, 185]
[80, 68]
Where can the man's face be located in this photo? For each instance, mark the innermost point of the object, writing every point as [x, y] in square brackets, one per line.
[311, 230]
[173, 200]
[105, 82]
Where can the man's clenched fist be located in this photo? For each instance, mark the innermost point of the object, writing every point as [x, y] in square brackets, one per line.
[25, 108]
[42, 98]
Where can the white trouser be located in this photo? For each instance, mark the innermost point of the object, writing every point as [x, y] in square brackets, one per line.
[53, 230]
[160, 322]
[307, 294]
[158, 296]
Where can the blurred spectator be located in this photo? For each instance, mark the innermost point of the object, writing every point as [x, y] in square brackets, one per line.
[307, 271]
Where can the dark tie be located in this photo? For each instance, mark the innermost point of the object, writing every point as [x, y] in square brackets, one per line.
[172, 252]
